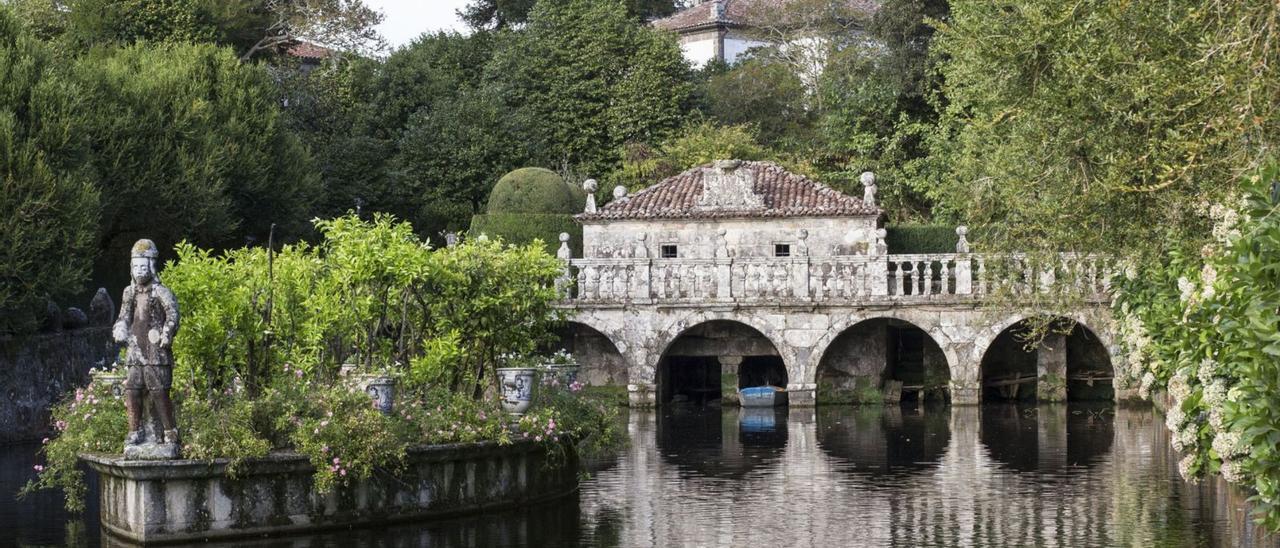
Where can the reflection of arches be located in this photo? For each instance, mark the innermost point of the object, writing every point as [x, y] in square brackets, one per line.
[721, 444]
[598, 357]
[711, 358]
[1047, 438]
[861, 361]
[883, 442]
[1068, 362]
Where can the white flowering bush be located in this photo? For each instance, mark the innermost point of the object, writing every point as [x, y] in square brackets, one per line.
[1206, 329]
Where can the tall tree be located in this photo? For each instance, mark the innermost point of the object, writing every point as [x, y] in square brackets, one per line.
[1100, 126]
[583, 77]
[46, 180]
[502, 14]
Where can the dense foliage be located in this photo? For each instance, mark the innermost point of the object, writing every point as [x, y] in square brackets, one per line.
[46, 186]
[525, 228]
[264, 334]
[1205, 328]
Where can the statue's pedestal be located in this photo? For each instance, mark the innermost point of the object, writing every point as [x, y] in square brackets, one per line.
[152, 451]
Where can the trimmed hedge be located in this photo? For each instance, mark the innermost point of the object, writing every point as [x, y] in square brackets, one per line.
[921, 238]
[523, 228]
[533, 190]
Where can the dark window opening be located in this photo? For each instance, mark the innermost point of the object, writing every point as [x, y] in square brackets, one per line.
[668, 251]
[781, 250]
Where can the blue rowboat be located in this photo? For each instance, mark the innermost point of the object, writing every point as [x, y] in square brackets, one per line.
[762, 396]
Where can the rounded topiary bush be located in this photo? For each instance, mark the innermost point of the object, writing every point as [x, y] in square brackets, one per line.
[532, 190]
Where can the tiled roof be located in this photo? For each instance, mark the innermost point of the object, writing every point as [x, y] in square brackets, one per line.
[736, 13]
[783, 193]
[307, 50]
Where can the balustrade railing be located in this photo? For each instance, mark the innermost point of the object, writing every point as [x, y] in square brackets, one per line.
[914, 278]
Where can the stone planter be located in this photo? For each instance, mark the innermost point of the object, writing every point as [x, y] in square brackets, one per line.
[190, 501]
[381, 388]
[563, 373]
[516, 385]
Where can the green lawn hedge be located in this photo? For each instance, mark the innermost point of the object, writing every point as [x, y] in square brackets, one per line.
[522, 228]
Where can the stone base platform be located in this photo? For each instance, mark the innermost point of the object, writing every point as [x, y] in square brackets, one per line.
[159, 502]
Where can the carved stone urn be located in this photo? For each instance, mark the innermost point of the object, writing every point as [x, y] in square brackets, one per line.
[516, 385]
[380, 388]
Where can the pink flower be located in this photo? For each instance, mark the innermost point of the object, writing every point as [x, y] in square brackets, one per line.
[44, 441]
[38, 468]
[343, 472]
[299, 373]
[337, 460]
[576, 386]
[537, 438]
[60, 425]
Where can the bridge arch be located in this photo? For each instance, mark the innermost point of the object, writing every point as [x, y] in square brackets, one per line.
[706, 357]
[885, 357]
[599, 357]
[1073, 361]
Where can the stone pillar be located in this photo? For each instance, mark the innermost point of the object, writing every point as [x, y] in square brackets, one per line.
[724, 268]
[729, 379]
[800, 279]
[801, 395]
[641, 291]
[1051, 368]
[964, 276]
[966, 392]
[642, 394]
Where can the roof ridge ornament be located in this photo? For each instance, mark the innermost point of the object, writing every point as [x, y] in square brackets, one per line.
[725, 186]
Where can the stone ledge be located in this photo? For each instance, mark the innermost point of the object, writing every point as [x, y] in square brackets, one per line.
[158, 502]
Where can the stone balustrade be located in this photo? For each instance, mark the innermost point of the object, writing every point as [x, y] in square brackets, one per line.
[905, 277]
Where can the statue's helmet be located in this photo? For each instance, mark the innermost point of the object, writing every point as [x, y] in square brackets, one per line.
[146, 249]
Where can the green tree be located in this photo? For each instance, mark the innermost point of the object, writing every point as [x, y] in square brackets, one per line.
[502, 14]
[696, 144]
[46, 189]
[190, 144]
[582, 77]
[766, 94]
[1100, 126]
[880, 105]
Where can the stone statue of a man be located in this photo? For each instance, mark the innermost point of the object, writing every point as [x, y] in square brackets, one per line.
[147, 324]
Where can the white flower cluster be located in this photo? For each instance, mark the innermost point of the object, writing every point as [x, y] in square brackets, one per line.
[1180, 386]
[1215, 393]
[1229, 446]
[1175, 417]
[1207, 371]
[1186, 289]
[1224, 220]
[1186, 439]
[1208, 276]
[1232, 471]
[1148, 382]
[1184, 468]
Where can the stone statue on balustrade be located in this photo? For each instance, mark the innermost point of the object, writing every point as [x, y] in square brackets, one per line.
[868, 188]
[147, 324]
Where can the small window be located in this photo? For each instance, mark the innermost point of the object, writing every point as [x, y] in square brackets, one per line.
[781, 250]
[669, 251]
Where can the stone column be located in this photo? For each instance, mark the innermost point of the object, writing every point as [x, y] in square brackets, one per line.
[801, 394]
[729, 379]
[642, 394]
[1051, 437]
[964, 275]
[1051, 368]
[641, 291]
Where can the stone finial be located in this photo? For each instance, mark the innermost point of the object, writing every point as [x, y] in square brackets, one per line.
[564, 253]
[868, 188]
[962, 243]
[882, 247]
[642, 251]
[722, 244]
[590, 186]
[619, 193]
[102, 310]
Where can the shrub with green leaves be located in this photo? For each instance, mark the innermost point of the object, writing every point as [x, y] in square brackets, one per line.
[1204, 328]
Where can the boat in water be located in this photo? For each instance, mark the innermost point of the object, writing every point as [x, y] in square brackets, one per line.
[762, 396]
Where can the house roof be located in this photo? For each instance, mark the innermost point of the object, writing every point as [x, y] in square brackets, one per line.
[739, 189]
[736, 13]
[307, 50]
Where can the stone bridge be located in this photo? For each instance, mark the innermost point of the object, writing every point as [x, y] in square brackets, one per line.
[842, 328]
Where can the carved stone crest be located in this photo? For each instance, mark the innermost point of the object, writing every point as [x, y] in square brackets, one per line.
[727, 187]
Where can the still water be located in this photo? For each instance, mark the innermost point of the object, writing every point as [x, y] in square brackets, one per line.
[999, 475]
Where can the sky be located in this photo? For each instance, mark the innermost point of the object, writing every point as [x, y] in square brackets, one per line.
[407, 19]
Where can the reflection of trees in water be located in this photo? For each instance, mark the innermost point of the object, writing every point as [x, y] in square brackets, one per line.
[885, 441]
[1047, 438]
[716, 444]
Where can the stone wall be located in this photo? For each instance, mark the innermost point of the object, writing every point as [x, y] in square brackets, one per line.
[823, 237]
[38, 370]
[185, 500]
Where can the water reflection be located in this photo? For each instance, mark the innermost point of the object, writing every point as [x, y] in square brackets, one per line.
[885, 442]
[1000, 475]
